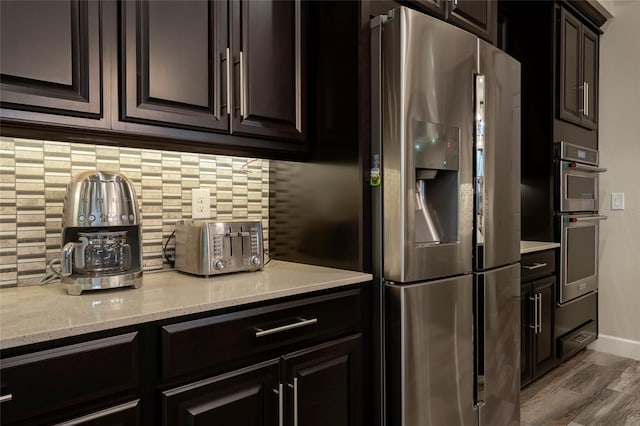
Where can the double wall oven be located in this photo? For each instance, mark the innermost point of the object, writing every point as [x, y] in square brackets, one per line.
[577, 208]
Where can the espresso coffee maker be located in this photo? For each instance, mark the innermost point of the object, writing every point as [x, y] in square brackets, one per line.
[101, 233]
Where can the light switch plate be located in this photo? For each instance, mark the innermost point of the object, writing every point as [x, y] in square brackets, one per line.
[617, 201]
[200, 203]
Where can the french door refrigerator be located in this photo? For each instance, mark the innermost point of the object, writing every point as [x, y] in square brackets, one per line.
[446, 223]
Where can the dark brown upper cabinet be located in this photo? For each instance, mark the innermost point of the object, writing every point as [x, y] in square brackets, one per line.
[51, 57]
[269, 84]
[221, 77]
[236, 67]
[173, 63]
[477, 16]
[578, 74]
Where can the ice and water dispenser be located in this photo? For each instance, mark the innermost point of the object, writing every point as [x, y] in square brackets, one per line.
[436, 162]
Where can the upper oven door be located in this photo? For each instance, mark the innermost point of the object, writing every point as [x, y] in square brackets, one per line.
[578, 187]
[579, 247]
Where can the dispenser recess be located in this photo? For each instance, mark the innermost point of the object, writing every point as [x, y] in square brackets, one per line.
[436, 166]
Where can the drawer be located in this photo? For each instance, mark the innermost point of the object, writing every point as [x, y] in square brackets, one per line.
[209, 342]
[537, 265]
[56, 379]
[573, 342]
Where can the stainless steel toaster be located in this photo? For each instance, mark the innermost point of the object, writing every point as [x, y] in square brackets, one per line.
[211, 248]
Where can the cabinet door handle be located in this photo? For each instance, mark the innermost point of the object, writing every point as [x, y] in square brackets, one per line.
[539, 312]
[534, 299]
[243, 88]
[534, 266]
[100, 414]
[229, 86]
[6, 398]
[295, 401]
[586, 97]
[280, 404]
[301, 323]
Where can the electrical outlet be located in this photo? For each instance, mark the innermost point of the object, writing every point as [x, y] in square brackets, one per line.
[200, 203]
[617, 201]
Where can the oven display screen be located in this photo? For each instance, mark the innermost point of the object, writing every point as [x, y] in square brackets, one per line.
[582, 154]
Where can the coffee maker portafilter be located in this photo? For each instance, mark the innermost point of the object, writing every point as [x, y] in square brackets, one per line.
[101, 233]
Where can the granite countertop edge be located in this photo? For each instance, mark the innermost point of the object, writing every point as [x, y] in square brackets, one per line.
[14, 332]
[534, 246]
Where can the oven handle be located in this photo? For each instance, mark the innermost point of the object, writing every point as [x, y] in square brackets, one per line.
[588, 218]
[578, 166]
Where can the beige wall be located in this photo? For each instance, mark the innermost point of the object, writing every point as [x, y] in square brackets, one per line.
[619, 135]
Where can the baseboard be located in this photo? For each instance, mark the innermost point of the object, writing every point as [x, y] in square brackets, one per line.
[617, 346]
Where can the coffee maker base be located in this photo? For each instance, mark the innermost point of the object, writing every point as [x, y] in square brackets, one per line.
[75, 285]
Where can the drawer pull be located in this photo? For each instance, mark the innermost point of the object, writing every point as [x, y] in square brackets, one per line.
[6, 398]
[534, 266]
[301, 323]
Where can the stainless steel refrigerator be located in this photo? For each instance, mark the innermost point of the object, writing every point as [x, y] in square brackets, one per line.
[446, 142]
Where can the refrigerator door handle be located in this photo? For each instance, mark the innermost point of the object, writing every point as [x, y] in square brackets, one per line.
[479, 324]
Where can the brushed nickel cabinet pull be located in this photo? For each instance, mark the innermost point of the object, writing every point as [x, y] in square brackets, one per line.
[280, 394]
[6, 398]
[229, 86]
[100, 414]
[586, 99]
[243, 88]
[534, 299]
[534, 266]
[301, 323]
[539, 312]
[295, 401]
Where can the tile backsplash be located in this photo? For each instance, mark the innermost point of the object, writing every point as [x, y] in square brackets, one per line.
[34, 175]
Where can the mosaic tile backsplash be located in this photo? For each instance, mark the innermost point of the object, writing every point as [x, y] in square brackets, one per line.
[34, 175]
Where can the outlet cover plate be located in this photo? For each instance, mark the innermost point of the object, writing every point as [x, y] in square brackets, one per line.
[200, 203]
[617, 201]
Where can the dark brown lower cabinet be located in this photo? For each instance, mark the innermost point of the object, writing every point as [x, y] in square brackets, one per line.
[48, 386]
[315, 386]
[538, 306]
[323, 384]
[297, 361]
[245, 397]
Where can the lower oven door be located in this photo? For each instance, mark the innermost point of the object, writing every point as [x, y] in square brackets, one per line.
[579, 248]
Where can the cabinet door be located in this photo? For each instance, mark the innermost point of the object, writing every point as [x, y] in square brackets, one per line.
[324, 384]
[246, 397]
[436, 7]
[61, 379]
[544, 338]
[269, 54]
[477, 16]
[173, 69]
[570, 79]
[590, 76]
[50, 57]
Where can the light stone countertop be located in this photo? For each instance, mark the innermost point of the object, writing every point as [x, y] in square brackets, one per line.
[533, 246]
[39, 313]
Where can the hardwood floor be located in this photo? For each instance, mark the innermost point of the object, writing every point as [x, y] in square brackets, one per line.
[592, 388]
